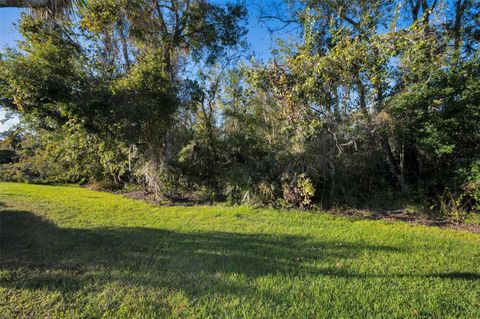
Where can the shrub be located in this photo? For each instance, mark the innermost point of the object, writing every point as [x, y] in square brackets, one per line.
[298, 191]
[266, 192]
[105, 185]
[450, 206]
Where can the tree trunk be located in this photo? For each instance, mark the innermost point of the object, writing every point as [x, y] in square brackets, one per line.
[332, 172]
[415, 8]
[150, 172]
[397, 172]
[123, 40]
[397, 168]
[460, 7]
[362, 96]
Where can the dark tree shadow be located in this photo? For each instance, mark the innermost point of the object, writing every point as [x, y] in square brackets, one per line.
[40, 255]
[456, 275]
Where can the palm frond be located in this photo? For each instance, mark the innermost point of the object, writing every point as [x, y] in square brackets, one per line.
[49, 8]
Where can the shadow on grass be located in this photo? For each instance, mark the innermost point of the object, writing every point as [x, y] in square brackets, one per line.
[39, 255]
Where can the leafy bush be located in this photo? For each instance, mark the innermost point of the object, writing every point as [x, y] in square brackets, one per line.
[470, 196]
[464, 202]
[450, 206]
[298, 191]
[267, 192]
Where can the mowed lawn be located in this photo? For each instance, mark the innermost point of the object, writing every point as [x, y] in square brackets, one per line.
[68, 252]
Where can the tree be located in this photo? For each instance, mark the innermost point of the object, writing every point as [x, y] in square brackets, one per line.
[374, 100]
[132, 97]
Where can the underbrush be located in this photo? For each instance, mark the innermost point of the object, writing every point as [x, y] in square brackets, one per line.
[291, 191]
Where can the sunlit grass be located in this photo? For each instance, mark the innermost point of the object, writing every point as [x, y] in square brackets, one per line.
[71, 252]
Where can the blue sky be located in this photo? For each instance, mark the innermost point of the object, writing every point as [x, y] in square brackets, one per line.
[8, 36]
[259, 37]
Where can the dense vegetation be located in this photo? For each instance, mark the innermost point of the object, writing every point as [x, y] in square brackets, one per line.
[69, 252]
[373, 101]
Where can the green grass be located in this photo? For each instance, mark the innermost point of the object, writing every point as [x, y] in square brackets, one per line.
[70, 252]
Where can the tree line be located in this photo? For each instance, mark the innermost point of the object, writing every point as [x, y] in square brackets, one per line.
[373, 102]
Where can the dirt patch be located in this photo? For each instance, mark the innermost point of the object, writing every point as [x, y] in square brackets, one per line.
[407, 216]
[168, 200]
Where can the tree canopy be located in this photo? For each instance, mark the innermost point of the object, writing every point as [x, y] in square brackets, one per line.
[375, 100]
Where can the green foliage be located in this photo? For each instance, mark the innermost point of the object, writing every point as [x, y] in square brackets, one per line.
[374, 99]
[144, 101]
[116, 77]
[43, 80]
[298, 191]
[469, 197]
[66, 155]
